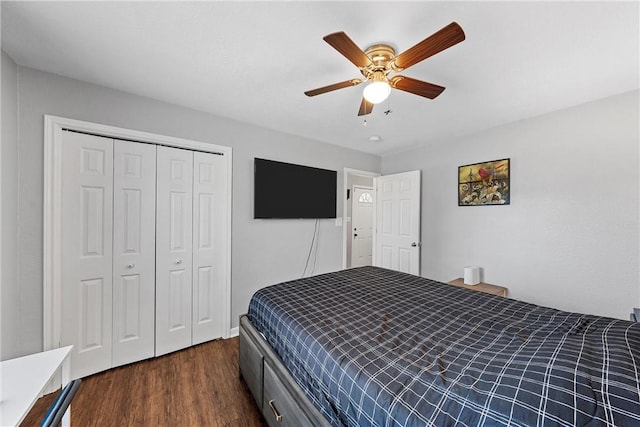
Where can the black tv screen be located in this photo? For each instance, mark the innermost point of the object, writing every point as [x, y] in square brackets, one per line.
[285, 190]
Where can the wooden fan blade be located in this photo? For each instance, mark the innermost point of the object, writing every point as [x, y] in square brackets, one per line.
[366, 107]
[417, 87]
[437, 42]
[335, 86]
[343, 44]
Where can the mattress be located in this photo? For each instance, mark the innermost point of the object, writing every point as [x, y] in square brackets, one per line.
[375, 347]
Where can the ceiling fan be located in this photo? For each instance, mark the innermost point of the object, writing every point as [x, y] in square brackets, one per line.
[378, 61]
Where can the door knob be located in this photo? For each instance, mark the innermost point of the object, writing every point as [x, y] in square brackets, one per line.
[130, 265]
[414, 244]
[179, 261]
[355, 235]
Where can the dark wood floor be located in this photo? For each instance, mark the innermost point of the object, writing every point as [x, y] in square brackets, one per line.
[198, 386]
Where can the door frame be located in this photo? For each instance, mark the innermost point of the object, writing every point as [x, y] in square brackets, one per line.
[52, 283]
[345, 231]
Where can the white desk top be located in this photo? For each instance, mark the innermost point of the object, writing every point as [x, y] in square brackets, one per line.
[23, 379]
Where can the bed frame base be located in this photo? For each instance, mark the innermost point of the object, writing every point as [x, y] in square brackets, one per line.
[281, 400]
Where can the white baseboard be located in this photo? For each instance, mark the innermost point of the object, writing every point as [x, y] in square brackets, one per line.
[234, 332]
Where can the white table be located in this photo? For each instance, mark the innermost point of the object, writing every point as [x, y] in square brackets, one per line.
[23, 379]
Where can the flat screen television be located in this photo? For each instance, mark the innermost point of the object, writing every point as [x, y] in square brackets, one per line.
[285, 190]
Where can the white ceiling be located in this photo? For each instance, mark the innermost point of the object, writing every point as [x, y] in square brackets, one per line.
[252, 61]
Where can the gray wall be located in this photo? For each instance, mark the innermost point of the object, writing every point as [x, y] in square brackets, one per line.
[9, 210]
[570, 237]
[263, 251]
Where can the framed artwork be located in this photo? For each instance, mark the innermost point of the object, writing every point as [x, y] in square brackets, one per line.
[484, 184]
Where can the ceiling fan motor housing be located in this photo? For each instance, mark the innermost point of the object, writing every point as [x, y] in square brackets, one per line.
[381, 56]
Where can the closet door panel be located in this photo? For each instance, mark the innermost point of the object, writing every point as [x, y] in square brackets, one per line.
[209, 250]
[86, 270]
[134, 254]
[174, 258]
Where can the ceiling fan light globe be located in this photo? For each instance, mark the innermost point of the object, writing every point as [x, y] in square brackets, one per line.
[376, 92]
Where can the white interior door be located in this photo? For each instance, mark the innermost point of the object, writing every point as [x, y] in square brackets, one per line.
[86, 259]
[398, 222]
[134, 241]
[174, 260]
[362, 204]
[209, 245]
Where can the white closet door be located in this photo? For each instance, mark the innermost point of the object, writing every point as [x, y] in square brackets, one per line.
[134, 240]
[173, 249]
[87, 209]
[209, 245]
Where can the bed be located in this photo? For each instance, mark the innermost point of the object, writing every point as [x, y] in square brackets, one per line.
[374, 347]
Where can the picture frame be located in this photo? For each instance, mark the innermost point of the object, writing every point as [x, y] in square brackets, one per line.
[485, 183]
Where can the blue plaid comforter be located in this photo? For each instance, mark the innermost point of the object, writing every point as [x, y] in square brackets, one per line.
[374, 347]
